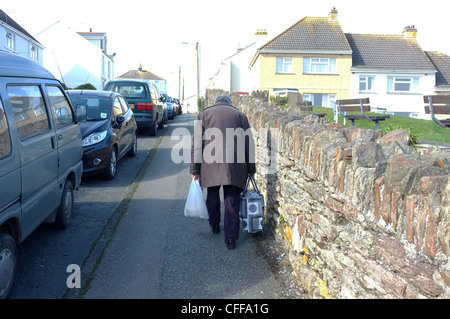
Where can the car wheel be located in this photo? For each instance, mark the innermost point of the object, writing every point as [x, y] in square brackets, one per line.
[153, 129]
[133, 150]
[8, 261]
[111, 167]
[64, 214]
[161, 124]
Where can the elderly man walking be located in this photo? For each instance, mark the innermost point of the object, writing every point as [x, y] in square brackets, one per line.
[223, 155]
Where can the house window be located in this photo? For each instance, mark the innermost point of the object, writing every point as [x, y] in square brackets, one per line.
[10, 41]
[403, 84]
[318, 99]
[365, 83]
[34, 53]
[284, 65]
[319, 65]
[283, 92]
[103, 66]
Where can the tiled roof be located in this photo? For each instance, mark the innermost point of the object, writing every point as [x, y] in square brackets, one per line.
[311, 34]
[144, 75]
[387, 52]
[8, 20]
[441, 62]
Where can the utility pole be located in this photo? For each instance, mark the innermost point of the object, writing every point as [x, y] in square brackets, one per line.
[179, 83]
[198, 73]
[197, 48]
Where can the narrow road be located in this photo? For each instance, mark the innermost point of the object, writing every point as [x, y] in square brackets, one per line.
[152, 251]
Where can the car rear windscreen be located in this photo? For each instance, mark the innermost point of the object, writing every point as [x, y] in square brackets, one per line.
[129, 90]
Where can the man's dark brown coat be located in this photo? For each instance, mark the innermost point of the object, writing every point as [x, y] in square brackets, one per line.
[215, 126]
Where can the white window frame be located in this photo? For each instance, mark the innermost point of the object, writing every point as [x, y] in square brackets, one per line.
[316, 65]
[367, 81]
[394, 83]
[10, 43]
[287, 65]
[330, 98]
[34, 52]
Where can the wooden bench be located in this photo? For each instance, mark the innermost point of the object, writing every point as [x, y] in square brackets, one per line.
[358, 105]
[440, 105]
[306, 106]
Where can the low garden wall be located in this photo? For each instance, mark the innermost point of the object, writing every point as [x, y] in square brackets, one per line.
[359, 214]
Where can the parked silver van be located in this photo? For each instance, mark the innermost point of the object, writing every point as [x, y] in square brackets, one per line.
[40, 156]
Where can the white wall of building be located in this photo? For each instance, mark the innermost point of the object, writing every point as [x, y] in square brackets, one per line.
[22, 43]
[73, 59]
[380, 98]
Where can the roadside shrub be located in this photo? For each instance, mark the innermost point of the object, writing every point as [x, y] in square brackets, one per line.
[87, 86]
[200, 105]
[414, 139]
[278, 100]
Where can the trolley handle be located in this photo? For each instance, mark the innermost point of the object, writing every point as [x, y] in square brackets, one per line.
[252, 179]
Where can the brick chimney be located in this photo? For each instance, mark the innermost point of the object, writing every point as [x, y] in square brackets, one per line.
[410, 32]
[333, 15]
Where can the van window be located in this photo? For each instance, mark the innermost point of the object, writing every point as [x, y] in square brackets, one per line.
[5, 139]
[60, 106]
[29, 110]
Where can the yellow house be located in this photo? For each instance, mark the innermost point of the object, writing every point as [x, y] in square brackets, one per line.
[312, 57]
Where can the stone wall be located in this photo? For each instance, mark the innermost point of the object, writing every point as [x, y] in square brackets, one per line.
[359, 215]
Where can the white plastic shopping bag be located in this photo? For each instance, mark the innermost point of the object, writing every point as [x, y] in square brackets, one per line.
[195, 203]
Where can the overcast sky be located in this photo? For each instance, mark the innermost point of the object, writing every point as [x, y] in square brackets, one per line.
[150, 31]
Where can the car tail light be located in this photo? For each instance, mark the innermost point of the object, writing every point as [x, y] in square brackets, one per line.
[144, 106]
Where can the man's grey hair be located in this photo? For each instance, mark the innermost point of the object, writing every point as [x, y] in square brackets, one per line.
[223, 99]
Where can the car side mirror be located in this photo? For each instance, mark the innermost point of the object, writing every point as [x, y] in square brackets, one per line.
[120, 119]
[81, 113]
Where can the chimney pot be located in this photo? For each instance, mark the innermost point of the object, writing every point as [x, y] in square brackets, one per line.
[333, 15]
[410, 32]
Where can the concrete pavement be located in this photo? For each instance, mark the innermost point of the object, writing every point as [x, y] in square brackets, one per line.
[150, 250]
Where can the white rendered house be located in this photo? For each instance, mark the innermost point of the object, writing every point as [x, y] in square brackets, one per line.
[393, 71]
[74, 59]
[15, 39]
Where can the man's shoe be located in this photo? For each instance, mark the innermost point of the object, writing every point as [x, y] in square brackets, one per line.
[215, 229]
[231, 243]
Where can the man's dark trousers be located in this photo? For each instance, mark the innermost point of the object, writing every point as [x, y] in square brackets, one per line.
[232, 198]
